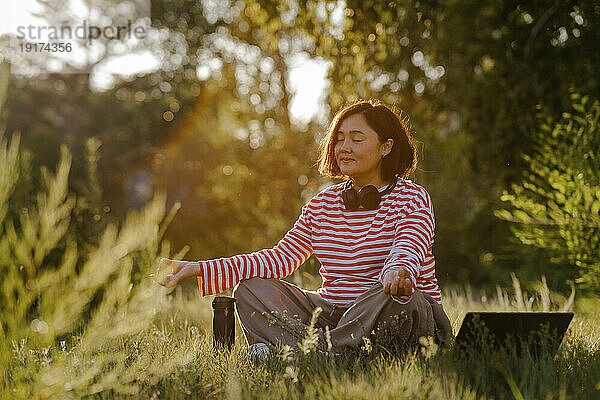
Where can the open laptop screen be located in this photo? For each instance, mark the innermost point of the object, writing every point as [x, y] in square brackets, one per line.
[535, 329]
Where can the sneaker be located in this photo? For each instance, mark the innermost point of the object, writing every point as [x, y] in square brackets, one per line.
[327, 353]
[258, 352]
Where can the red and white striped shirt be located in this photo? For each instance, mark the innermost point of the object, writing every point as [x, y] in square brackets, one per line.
[355, 248]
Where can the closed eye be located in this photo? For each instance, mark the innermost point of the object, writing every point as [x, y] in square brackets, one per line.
[341, 139]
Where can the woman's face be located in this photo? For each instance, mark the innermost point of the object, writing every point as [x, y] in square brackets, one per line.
[358, 151]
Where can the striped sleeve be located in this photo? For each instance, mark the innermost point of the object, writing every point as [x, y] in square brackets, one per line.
[278, 262]
[413, 238]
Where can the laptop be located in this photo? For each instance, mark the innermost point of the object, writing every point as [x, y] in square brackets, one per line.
[536, 331]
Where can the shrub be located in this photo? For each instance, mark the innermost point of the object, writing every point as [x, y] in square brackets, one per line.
[59, 292]
[556, 206]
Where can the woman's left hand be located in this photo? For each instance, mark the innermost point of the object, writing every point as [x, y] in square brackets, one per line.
[397, 282]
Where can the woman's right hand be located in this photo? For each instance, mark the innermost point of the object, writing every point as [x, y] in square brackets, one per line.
[172, 272]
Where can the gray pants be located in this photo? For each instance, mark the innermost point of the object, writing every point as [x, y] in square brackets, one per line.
[276, 312]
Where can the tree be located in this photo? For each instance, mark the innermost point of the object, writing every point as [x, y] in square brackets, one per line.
[470, 75]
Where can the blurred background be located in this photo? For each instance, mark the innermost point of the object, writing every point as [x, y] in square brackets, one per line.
[222, 105]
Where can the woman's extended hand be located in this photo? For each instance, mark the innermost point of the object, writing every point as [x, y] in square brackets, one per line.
[172, 272]
[397, 282]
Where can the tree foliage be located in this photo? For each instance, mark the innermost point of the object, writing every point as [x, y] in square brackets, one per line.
[213, 126]
[470, 75]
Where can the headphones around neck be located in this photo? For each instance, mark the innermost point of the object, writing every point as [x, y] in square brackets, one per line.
[368, 197]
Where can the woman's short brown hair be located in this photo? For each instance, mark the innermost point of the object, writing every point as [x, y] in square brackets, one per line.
[388, 123]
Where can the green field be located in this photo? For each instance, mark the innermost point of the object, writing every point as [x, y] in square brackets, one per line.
[174, 358]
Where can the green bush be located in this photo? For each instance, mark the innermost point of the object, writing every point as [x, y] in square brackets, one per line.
[556, 207]
[45, 297]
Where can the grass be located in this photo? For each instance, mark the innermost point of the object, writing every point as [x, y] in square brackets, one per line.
[178, 360]
[86, 322]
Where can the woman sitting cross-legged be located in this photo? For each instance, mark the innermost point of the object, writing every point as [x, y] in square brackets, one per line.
[372, 233]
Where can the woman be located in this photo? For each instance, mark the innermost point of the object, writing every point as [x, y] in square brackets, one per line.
[373, 235]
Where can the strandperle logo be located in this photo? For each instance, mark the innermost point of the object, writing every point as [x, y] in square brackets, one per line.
[73, 36]
[83, 31]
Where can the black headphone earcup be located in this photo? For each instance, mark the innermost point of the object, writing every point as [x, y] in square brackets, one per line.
[369, 197]
[351, 200]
